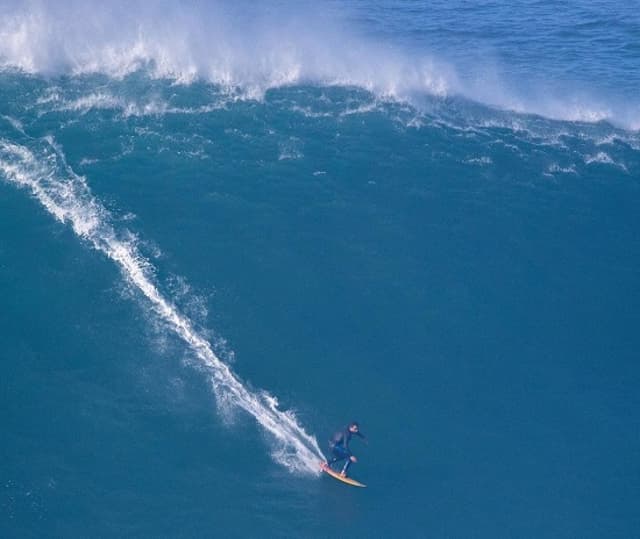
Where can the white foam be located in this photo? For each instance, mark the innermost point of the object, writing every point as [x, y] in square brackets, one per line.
[54, 101]
[208, 41]
[15, 123]
[555, 168]
[99, 100]
[290, 149]
[600, 157]
[481, 161]
[290, 43]
[68, 198]
[605, 159]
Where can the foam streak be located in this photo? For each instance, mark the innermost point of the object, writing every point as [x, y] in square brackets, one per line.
[68, 198]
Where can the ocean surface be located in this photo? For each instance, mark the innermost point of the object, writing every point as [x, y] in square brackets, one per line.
[229, 228]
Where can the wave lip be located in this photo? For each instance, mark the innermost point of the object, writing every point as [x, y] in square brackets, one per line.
[184, 43]
[67, 197]
[290, 44]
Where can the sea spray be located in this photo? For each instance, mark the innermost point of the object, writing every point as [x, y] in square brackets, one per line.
[291, 44]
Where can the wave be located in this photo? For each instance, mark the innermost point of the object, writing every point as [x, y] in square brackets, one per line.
[252, 48]
[208, 41]
[67, 197]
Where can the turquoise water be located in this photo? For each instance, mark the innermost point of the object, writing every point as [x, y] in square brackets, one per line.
[227, 231]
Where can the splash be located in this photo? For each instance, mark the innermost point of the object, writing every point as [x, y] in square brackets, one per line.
[68, 198]
[290, 44]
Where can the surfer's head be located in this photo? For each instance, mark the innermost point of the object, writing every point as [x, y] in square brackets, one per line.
[354, 427]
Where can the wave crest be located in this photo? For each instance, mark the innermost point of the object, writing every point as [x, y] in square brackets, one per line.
[241, 46]
[249, 48]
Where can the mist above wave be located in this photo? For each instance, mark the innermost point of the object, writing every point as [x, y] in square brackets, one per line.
[237, 45]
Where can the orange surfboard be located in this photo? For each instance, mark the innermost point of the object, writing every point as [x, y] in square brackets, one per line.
[346, 480]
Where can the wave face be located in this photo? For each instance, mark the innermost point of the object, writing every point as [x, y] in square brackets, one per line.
[448, 50]
[205, 129]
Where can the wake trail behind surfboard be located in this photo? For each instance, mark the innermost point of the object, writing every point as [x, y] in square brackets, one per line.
[66, 196]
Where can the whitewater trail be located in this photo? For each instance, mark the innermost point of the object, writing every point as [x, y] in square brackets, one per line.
[68, 198]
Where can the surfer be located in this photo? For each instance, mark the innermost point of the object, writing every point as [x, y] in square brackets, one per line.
[339, 445]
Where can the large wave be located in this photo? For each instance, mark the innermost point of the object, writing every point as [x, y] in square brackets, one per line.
[236, 45]
[253, 47]
[44, 171]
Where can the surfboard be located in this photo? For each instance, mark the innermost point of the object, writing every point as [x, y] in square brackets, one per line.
[346, 480]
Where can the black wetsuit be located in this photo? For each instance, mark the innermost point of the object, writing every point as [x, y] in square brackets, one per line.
[339, 445]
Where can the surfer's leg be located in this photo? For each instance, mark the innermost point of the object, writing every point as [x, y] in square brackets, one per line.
[339, 454]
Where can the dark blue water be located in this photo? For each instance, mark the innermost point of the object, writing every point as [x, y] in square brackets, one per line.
[215, 251]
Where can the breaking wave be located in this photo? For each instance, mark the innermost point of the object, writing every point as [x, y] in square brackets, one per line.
[251, 48]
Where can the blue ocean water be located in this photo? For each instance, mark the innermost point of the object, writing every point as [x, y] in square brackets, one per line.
[226, 230]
